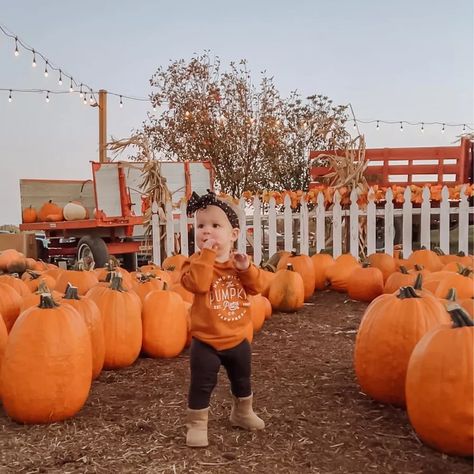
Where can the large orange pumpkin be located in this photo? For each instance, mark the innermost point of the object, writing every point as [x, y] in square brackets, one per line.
[165, 324]
[287, 290]
[321, 262]
[10, 302]
[303, 265]
[388, 332]
[429, 259]
[82, 278]
[384, 262]
[16, 283]
[93, 319]
[29, 215]
[50, 209]
[365, 283]
[440, 386]
[3, 344]
[122, 322]
[46, 370]
[339, 273]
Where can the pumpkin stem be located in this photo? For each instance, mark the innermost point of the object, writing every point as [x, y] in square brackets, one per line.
[112, 263]
[33, 275]
[461, 254]
[418, 282]
[47, 302]
[452, 295]
[71, 293]
[403, 270]
[116, 281]
[418, 267]
[407, 292]
[289, 267]
[269, 267]
[165, 286]
[438, 251]
[42, 288]
[459, 316]
[465, 271]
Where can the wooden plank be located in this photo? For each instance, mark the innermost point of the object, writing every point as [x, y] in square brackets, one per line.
[389, 230]
[371, 223]
[272, 231]
[183, 228]
[426, 218]
[463, 236]
[169, 228]
[354, 224]
[320, 223]
[288, 224]
[337, 226]
[156, 238]
[242, 240]
[444, 221]
[304, 228]
[257, 230]
[407, 224]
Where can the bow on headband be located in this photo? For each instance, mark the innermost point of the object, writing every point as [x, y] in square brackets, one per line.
[201, 202]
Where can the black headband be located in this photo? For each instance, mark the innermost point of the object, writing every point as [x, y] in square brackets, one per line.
[201, 202]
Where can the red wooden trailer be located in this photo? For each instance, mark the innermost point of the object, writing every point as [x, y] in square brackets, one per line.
[113, 199]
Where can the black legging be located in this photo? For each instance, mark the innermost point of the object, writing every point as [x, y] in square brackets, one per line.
[205, 363]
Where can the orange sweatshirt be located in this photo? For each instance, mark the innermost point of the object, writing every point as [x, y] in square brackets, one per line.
[221, 309]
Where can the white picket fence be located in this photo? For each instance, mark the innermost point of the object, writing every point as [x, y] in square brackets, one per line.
[307, 231]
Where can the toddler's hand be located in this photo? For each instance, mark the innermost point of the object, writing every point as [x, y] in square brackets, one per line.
[241, 261]
[210, 244]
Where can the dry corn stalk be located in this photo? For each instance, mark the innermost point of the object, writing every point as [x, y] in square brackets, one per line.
[153, 184]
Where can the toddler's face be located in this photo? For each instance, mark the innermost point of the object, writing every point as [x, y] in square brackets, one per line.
[212, 223]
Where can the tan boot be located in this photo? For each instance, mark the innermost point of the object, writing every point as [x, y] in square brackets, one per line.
[242, 414]
[196, 423]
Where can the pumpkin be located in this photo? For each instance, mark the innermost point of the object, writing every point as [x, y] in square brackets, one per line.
[268, 307]
[3, 344]
[339, 273]
[33, 280]
[427, 258]
[467, 305]
[10, 302]
[183, 292]
[29, 215]
[17, 265]
[303, 265]
[321, 262]
[49, 209]
[122, 322]
[104, 274]
[440, 386]
[82, 278]
[461, 281]
[46, 369]
[75, 211]
[389, 330]
[257, 311]
[384, 262]
[165, 324]
[92, 317]
[9, 256]
[267, 277]
[365, 283]
[147, 283]
[33, 299]
[398, 279]
[18, 284]
[174, 262]
[287, 290]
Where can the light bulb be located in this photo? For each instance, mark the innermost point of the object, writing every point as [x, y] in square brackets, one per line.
[84, 101]
[401, 126]
[10, 96]
[464, 127]
[47, 96]
[422, 127]
[91, 99]
[443, 129]
[355, 125]
[60, 81]
[33, 64]
[377, 126]
[81, 94]
[46, 69]
[71, 87]
[16, 47]
[121, 102]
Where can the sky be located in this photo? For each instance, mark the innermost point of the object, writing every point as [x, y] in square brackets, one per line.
[409, 60]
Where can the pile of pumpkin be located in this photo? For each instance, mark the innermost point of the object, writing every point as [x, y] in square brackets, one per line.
[414, 346]
[59, 328]
[52, 212]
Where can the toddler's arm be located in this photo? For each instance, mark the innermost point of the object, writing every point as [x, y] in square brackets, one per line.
[196, 275]
[251, 277]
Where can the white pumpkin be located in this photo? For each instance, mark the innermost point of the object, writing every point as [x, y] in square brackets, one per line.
[74, 211]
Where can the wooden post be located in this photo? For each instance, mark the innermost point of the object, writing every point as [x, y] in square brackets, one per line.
[103, 126]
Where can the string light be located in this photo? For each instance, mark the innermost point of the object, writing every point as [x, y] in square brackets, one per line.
[443, 129]
[422, 127]
[91, 99]
[84, 100]
[33, 64]
[378, 126]
[401, 126]
[60, 81]
[46, 69]
[71, 87]
[464, 127]
[121, 102]
[16, 53]
[47, 96]
[10, 96]
[81, 94]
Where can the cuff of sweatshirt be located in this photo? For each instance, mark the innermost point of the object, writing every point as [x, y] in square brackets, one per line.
[207, 256]
[250, 273]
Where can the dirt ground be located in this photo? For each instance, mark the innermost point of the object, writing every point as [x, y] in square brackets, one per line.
[317, 420]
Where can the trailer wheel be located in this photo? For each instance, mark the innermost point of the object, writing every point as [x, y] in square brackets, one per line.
[95, 248]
